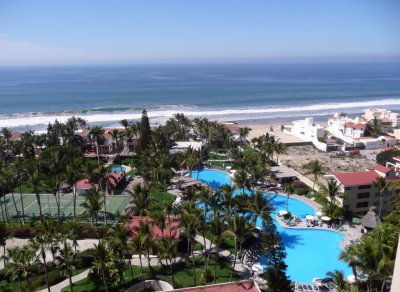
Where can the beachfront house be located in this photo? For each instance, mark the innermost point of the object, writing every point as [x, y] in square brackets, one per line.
[345, 128]
[305, 129]
[357, 191]
[384, 115]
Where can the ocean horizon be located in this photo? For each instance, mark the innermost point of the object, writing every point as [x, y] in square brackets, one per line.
[31, 97]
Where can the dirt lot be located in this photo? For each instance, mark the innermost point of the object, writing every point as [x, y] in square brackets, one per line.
[298, 156]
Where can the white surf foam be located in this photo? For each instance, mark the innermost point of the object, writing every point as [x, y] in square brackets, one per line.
[161, 115]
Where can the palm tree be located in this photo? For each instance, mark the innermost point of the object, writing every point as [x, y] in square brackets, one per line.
[96, 133]
[259, 205]
[119, 240]
[141, 200]
[190, 159]
[68, 259]
[349, 255]
[167, 251]
[34, 181]
[288, 188]
[217, 230]
[382, 187]
[332, 190]
[191, 223]
[41, 244]
[280, 148]
[22, 260]
[3, 239]
[6, 135]
[8, 182]
[137, 246]
[93, 206]
[338, 278]
[316, 169]
[100, 261]
[146, 235]
[243, 133]
[74, 171]
[241, 230]
[115, 135]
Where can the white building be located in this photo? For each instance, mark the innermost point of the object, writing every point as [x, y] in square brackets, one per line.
[342, 127]
[370, 143]
[182, 146]
[383, 115]
[305, 129]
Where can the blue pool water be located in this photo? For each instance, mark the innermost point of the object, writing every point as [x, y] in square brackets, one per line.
[310, 252]
[117, 169]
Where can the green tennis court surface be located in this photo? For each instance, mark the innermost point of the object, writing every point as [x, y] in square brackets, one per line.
[115, 205]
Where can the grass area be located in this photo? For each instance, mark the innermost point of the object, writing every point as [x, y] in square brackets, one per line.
[227, 242]
[182, 271]
[160, 200]
[38, 282]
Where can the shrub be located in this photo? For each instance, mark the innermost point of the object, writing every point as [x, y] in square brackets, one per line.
[387, 156]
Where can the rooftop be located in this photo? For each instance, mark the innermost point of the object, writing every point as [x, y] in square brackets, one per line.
[357, 178]
[243, 286]
[283, 172]
[382, 168]
[172, 228]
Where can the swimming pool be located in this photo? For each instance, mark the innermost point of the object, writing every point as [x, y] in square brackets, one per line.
[310, 252]
[117, 169]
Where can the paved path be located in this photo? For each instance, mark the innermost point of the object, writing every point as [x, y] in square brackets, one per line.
[58, 287]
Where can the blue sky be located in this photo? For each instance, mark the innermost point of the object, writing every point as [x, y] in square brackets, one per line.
[128, 31]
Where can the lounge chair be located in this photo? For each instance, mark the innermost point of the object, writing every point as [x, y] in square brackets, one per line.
[305, 288]
[316, 288]
[309, 287]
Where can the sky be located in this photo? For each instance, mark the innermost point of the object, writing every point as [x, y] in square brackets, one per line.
[130, 31]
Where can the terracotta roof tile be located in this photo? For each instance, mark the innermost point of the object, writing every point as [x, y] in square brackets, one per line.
[357, 178]
[243, 286]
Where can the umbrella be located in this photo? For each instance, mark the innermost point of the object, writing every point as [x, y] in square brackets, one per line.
[283, 212]
[257, 268]
[326, 218]
[351, 279]
[310, 217]
[233, 171]
[318, 213]
[228, 167]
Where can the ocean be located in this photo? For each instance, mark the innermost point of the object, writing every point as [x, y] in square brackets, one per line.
[31, 97]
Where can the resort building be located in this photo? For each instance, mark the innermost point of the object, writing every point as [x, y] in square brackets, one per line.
[113, 181]
[305, 129]
[357, 190]
[242, 286]
[384, 115]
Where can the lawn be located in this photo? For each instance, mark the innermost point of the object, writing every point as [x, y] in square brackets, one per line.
[227, 242]
[160, 200]
[182, 271]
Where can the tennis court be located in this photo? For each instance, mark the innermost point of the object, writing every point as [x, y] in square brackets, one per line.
[115, 205]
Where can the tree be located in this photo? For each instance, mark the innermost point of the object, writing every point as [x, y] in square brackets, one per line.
[93, 206]
[241, 230]
[243, 133]
[288, 188]
[141, 200]
[316, 169]
[3, 239]
[191, 222]
[217, 231]
[68, 259]
[167, 251]
[34, 181]
[22, 260]
[41, 244]
[145, 131]
[338, 278]
[137, 246]
[280, 148]
[382, 188]
[118, 239]
[259, 205]
[275, 254]
[97, 133]
[100, 261]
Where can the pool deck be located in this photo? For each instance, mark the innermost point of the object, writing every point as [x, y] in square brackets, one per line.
[351, 233]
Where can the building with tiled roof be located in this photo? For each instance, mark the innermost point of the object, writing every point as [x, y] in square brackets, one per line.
[357, 191]
[242, 286]
[172, 227]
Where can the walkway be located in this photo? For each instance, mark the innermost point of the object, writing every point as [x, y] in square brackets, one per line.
[58, 287]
